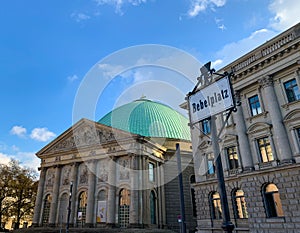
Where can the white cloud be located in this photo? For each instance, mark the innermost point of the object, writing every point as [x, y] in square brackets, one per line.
[42, 134]
[73, 78]
[27, 159]
[78, 17]
[198, 6]
[286, 14]
[234, 50]
[118, 4]
[110, 71]
[18, 130]
[4, 158]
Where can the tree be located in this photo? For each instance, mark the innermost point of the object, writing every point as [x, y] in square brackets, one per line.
[18, 188]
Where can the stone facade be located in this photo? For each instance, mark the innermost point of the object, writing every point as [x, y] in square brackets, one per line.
[260, 144]
[115, 178]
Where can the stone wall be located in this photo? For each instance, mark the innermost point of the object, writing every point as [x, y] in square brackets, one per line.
[287, 180]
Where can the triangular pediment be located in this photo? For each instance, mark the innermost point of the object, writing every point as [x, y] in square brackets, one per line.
[83, 134]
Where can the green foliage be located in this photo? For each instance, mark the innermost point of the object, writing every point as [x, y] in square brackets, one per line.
[18, 188]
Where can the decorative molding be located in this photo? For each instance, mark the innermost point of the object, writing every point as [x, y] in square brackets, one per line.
[266, 81]
[81, 137]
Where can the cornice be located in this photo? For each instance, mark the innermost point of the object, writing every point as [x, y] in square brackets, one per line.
[265, 55]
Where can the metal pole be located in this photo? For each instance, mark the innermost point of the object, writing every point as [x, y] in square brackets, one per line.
[182, 207]
[227, 225]
[69, 208]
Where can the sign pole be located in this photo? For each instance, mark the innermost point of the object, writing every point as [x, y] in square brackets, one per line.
[227, 225]
[213, 97]
[69, 208]
[182, 206]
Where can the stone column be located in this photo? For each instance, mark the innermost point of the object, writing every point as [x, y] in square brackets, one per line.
[134, 200]
[281, 141]
[53, 207]
[111, 199]
[243, 141]
[74, 179]
[90, 220]
[39, 199]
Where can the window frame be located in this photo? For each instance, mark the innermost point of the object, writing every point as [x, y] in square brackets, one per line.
[151, 172]
[206, 126]
[228, 154]
[265, 146]
[210, 162]
[242, 208]
[273, 209]
[215, 204]
[253, 105]
[291, 90]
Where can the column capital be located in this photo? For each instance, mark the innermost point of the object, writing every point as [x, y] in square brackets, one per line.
[266, 81]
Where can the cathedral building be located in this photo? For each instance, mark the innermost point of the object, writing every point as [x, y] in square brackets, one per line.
[118, 172]
[260, 145]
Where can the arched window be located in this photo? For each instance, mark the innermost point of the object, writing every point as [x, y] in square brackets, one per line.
[63, 208]
[239, 204]
[272, 201]
[101, 207]
[124, 205]
[215, 203]
[193, 196]
[102, 195]
[153, 207]
[46, 209]
[81, 211]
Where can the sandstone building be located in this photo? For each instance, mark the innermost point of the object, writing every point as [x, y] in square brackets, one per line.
[122, 169]
[260, 146]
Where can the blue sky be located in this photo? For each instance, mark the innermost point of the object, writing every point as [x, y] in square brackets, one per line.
[48, 47]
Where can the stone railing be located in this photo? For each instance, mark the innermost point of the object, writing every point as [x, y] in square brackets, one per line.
[268, 49]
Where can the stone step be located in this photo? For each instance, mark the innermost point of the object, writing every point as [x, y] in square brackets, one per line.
[91, 230]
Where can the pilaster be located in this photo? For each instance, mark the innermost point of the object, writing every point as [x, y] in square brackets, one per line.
[54, 203]
[39, 198]
[111, 205]
[90, 220]
[243, 141]
[280, 137]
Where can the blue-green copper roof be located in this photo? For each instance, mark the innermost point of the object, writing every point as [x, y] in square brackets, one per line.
[149, 119]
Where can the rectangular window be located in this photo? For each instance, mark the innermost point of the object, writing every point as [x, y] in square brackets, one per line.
[210, 164]
[292, 90]
[265, 150]
[224, 116]
[232, 157]
[151, 172]
[206, 126]
[254, 105]
[298, 134]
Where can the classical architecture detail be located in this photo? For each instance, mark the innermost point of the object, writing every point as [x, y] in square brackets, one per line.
[50, 177]
[83, 137]
[66, 175]
[83, 174]
[119, 178]
[124, 166]
[260, 151]
[103, 171]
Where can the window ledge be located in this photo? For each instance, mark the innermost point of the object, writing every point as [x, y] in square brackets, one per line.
[275, 219]
[263, 114]
[287, 105]
[210, 176]
[270, 164]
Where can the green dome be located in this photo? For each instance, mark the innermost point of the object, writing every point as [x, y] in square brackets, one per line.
[149, 119]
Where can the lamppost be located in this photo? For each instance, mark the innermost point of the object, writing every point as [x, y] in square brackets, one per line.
[202, 106]
[69, 208]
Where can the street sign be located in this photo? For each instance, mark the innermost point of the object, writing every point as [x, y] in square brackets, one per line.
[211, 100]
